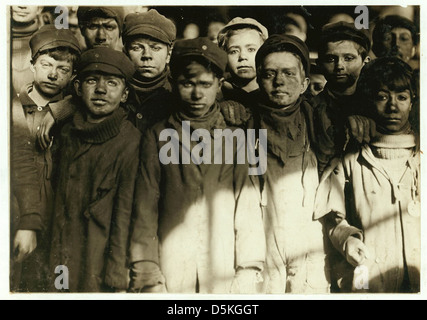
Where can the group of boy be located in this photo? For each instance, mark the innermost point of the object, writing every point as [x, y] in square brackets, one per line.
[117, 211]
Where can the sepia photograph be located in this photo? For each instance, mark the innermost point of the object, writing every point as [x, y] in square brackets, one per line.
[224, 151]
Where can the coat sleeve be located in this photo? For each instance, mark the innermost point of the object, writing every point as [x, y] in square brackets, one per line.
[117, 269]
[25, 183]
[330, 205]
[144, 240]
[64, 109]
[250, 244]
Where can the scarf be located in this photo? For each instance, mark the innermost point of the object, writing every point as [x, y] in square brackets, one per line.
[143, 86]
[213, 119]
[24, 30]
[286, 130]
[97, 133]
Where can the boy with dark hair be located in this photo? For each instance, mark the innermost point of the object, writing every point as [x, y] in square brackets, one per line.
[98, 160]
[198, 225]
[54, 53]
[343, 51]
[370, 199]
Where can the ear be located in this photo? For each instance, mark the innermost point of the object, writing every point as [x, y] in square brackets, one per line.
[39, 10]
[125, 95]
[168, 57]
[220, 83]
[367, 59]
[304, 85]
[77, 87]
[33, 70]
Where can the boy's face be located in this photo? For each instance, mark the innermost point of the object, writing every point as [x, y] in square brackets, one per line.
[281, 79]
[50, 75]
[197, 88]
[342, 64]
[25, 14]
[101, 94]
[241, 49]
[392, 110]
[149, 56]
[102, 32]
[399, 43]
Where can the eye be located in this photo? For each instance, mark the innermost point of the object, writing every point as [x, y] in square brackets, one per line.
[186, 84]
[289, 73]
[402, 97]
[268, 75]
[92, 26]
[135, 48]
[405, 37]
[110, 27]
[252, 49]
[90, 81]
[233, 51]
[381, 97]
[349, 58]
[112, 83]
[156, 48]
[329, 59]
[206, 84]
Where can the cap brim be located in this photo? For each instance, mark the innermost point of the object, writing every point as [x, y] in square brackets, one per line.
[101, 68]
[146, 30]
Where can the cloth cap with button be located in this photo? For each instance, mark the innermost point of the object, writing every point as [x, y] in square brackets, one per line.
[284, 43]
[106, 60]
[199, 47]
[48, 37]
[150, 23]
[240, 23]
[85, 14]
[337, 31]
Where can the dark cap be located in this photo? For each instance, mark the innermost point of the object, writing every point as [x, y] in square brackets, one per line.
[284, 43]
[199, 47]
[337, 31]
[240, 23]
[106, 60]
[48, 37]
[150, 23]
[85, 14]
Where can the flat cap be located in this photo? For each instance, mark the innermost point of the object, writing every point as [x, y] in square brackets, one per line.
[345, 31]
[106, 60]
[85, 14]
[199, 47]
[48, 37]
[240, 23]
[150, 23]
[284, 43]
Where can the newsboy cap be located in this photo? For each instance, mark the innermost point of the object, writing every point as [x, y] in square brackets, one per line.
[240, 23]
[341, 30]
[85, 14]
[150, 23]
[48, 37]
[284, 43]
[106, 60]
[199, 47]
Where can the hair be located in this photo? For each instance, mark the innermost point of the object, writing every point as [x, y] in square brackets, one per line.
[223, 40]
[361, 50]
[59, 54]
[385, 25]
[178, 66]
[391, 72]
[280, 48]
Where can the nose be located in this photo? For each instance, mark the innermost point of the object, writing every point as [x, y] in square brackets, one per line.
[53, 74]
[146, 53]
[279, 79]
[101, 87]
[339, 65]
[197, 93]
[100, 34]
[392, 103]
[242, 55]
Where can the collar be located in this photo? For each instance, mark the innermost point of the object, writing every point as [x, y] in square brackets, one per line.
[27, 101]
[97, 133]
[143, 85]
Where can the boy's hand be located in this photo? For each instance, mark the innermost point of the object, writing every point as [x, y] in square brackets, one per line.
[245, 281]
[25, 242]
[361, 128]
[356, 251]
[234, 112]
[43, 131]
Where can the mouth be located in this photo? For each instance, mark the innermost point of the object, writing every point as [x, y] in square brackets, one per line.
[197, 105]
[50, 85]
[279, 94]
[244, 68]
[20, 13]
[99, 102]
[340, 76]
